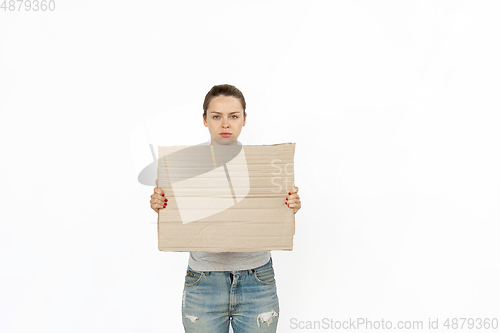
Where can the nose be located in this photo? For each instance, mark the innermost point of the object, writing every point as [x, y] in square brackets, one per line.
[225, 123]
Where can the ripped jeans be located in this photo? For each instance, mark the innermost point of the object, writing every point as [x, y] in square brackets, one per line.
[247, 299]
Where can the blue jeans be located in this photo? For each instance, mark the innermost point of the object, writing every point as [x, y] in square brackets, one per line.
[245, 298]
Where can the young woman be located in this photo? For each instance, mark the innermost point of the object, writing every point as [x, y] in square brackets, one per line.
[236, 287]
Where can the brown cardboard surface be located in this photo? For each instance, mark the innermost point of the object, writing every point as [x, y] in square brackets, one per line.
[226, 198]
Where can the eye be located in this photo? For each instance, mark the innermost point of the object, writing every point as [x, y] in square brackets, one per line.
[235, 116]
[215, 116]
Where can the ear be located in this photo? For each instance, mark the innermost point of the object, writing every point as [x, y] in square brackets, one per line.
[245, 121]
[204, 120]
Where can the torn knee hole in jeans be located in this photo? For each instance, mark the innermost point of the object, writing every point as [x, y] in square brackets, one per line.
[266, 318]
[192, 318]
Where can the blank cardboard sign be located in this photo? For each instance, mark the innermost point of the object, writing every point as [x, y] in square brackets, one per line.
[226, 197]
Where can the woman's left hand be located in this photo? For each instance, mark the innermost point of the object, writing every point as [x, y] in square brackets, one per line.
[293, 199]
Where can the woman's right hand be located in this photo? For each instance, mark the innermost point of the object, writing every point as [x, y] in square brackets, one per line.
[158, 200]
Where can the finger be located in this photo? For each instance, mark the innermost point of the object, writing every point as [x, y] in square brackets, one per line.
[158, 197]
[293, 198]
[154, 206]
[159, 191]
[158, 202]
[156, 182]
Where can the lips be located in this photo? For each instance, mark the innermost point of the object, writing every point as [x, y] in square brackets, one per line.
[225, 134]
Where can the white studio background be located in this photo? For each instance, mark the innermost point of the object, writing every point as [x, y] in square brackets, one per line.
[393, 106]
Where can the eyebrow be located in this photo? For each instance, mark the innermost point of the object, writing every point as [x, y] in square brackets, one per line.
[229, 113]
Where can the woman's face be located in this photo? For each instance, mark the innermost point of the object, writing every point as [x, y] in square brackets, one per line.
[224, 118]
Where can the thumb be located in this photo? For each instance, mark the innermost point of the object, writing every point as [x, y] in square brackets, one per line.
[156, 182]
